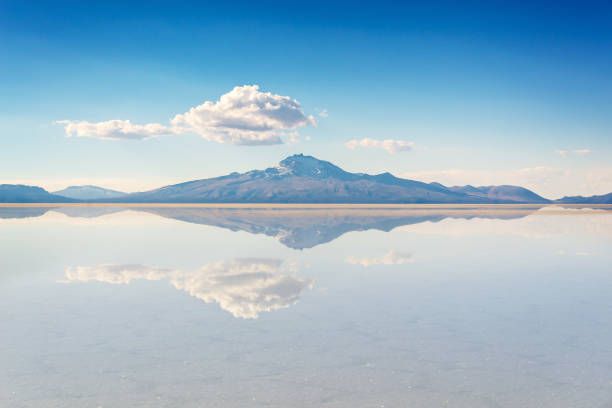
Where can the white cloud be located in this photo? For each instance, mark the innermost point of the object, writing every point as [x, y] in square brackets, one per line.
[294, 138]
[117, 273]
[597, 181]
[486, 177]
[243, 116]
[390, 258]
[579, 152]
[114, 130]
[390, 145]
[243, 287]
[323, 113]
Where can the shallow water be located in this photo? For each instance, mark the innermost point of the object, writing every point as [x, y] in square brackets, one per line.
[425, 307]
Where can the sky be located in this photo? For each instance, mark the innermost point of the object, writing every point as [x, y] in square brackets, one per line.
[133, 96]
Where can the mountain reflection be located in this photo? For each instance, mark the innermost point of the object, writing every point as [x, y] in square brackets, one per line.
[306, 228]
[243, 287]
[297, 228]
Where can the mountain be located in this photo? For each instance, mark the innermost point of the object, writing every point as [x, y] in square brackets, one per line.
[17, 193]
[596, 199]
[305, 179]
[502, 193]
[89, 193]
[297, 179]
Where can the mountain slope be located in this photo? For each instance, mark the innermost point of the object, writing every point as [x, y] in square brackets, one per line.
[17, 193]
[502, 193]
[89, 193]
[305, 179]
[596, 199]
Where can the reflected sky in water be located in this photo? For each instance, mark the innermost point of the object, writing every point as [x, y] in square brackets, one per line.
[164, 307]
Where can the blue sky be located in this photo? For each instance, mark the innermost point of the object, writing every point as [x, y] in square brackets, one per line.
[464, 92]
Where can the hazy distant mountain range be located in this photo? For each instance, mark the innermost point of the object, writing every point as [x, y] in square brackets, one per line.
[297, 179]
[89, 193]
[596, 199]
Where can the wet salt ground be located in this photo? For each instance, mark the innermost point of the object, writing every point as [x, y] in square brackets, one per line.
[462, 313]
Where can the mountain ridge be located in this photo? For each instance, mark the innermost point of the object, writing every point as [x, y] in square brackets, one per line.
[305, 179]
[296, 179]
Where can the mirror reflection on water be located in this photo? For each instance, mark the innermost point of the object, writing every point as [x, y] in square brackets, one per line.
[187, 306]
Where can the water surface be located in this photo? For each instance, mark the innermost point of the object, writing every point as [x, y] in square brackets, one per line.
[343, 307]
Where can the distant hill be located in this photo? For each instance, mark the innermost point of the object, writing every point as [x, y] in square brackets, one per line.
[17, 193]
[89, 193]
[596, 199]
[502, 193]
[305, 179]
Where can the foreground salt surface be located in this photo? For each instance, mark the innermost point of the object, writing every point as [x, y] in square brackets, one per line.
[198, 308]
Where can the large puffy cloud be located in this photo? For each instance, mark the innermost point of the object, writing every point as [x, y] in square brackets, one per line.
[243, 287]
[114, 129]
[390, 145]
[243, 116]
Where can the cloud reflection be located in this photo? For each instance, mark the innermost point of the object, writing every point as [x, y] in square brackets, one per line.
[390, 258]
[245, 287]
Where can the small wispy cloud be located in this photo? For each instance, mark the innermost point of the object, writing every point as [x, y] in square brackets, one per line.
[323, 113]
[577, 253]
[390, 258]
[390, 145]
[115, 130]
[294, 138]
[243, 116]
[579, 152]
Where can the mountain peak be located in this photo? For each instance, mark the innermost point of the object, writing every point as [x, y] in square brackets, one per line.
[309, 166]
